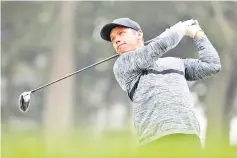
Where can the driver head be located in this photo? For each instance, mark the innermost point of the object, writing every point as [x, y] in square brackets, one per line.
[24, 101]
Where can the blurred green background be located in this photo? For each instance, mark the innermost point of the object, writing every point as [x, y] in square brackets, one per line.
[88, 115]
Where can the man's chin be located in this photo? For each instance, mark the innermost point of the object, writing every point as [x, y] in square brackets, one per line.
[122, 51]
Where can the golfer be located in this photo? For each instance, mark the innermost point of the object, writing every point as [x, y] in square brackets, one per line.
[163, 109]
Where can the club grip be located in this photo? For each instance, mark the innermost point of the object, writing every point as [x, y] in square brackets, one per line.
[195, 22]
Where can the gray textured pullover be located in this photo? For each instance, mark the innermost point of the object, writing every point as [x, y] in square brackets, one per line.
[162, 103]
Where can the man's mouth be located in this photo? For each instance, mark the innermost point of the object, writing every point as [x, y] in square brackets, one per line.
[119, 46]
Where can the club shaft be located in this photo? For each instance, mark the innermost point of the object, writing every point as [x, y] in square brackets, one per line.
[75, 73]
[116, 55]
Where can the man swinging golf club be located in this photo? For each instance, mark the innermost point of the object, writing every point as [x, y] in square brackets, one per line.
[163, 110]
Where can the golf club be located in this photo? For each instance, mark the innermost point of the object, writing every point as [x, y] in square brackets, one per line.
[24, 99]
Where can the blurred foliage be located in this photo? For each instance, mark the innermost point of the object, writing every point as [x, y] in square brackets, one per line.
[80, 145]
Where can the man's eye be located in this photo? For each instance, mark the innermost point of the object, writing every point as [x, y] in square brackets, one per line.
[122, 32]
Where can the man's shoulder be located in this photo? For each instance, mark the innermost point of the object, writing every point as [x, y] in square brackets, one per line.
[121, 60]
[119, 63]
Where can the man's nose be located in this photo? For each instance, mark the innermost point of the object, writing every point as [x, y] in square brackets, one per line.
[117, 41]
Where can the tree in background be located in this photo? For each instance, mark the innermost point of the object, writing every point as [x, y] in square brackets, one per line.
[58, 112]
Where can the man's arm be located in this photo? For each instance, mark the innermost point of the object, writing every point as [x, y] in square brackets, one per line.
[128, 67]
[145, 56]
[208, 63]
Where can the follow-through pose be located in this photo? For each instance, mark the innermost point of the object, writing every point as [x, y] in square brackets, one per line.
[163, 109]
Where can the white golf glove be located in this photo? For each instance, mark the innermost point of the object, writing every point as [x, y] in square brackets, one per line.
[192, 30]
[182, 26]
[187, 28]
[190, 22]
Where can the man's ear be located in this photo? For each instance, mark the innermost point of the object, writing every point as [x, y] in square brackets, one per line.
[140, 34]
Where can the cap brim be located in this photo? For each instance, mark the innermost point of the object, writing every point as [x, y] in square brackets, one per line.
[106, 30]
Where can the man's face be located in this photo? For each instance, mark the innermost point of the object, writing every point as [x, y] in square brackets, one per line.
[125, 39]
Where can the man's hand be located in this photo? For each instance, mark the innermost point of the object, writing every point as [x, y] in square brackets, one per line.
[194, 31]
[183, 27]
[190, 22]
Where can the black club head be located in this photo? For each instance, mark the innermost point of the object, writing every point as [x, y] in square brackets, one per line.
[24, 101]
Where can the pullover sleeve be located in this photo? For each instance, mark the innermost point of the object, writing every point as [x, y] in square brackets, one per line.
[129, 66]
[208, 63]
